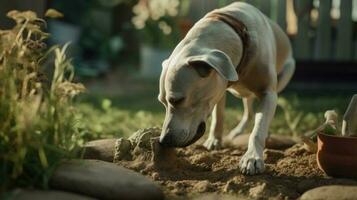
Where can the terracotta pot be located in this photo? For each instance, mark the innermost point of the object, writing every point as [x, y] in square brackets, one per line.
[337, 155]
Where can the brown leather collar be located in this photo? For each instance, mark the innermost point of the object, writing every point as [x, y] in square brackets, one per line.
[240, 29]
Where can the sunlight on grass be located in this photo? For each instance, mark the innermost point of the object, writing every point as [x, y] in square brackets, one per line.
[108, 122]
[123, 115]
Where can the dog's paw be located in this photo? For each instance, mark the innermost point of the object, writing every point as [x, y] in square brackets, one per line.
[212, 143]
[251, 163]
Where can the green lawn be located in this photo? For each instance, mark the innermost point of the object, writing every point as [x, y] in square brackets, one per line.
[122, 114]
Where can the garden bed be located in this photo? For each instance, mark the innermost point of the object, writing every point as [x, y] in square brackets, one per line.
[189, 172]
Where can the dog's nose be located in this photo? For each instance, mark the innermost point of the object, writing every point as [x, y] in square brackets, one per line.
[166, 140]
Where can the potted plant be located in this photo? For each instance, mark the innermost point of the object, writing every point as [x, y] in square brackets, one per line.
[337, 154]
[161, 24]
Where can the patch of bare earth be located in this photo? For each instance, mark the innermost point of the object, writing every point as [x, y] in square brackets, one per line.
[186, 173]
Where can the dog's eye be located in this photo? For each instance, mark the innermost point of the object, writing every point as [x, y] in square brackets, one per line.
[176, 101]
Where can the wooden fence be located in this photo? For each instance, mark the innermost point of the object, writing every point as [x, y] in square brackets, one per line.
[320, 30]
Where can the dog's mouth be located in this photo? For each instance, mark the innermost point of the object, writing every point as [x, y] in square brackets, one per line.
[199, 133]
[200, 130]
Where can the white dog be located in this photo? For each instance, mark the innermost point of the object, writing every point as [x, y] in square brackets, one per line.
[235, 48]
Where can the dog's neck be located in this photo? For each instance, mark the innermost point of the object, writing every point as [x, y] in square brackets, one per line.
[240, 29]
[210, 34]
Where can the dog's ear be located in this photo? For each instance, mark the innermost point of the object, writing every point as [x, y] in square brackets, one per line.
[217, 60]
[202, 68]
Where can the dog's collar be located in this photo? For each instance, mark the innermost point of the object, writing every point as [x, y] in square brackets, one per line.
[242, 31]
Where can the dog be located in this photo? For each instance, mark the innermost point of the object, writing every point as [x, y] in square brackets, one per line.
[237, 49]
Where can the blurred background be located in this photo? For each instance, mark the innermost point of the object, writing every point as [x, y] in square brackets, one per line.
[117, 48]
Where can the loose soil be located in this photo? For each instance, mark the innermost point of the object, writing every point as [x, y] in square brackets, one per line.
[187, 173]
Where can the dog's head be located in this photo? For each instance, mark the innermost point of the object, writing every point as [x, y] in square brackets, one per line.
[190, 86]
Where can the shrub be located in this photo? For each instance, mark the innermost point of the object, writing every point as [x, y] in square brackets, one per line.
[37, 120]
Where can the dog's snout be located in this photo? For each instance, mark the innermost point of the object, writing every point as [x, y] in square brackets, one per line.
[199, 132]
[181, 137]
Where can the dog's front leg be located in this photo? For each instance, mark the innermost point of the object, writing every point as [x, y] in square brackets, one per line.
[215, 134]
[252, 161]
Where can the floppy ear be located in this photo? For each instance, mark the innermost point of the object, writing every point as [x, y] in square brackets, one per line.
[219, 61]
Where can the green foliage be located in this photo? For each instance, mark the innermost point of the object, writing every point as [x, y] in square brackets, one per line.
[37, 122]
[107, 121]
[297, 119]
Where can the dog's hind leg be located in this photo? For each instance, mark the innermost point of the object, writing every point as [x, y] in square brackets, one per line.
[247, 116]
[285, 76]
[214, 139]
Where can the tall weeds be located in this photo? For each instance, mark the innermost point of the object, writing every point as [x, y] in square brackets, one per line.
[37, 120]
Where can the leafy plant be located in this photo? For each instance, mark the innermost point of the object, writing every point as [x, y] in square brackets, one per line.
[296, 118]
[292, 115]
[38, 122]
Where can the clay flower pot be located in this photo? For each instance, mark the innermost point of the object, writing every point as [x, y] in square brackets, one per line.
[337, 155]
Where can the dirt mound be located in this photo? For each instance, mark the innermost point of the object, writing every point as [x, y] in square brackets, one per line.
[185, 173]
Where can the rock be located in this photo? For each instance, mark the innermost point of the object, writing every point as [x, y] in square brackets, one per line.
[100, 149]
[142, 137]
[230, 186]
[272, 156]
[274, 191]
[46, 194]
[278, 142]
[122, 149]
[258, 191]
[212, 196]
[306, 184]
[331, 192]
[137, 145]
[203, 186]
[103, 180]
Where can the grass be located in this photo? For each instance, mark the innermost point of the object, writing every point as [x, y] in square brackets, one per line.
[132, 110]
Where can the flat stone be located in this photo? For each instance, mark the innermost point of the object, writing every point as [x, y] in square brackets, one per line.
[103, 180]
[103, 149]
[278, 142]
[20, 194]
[331, 192]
